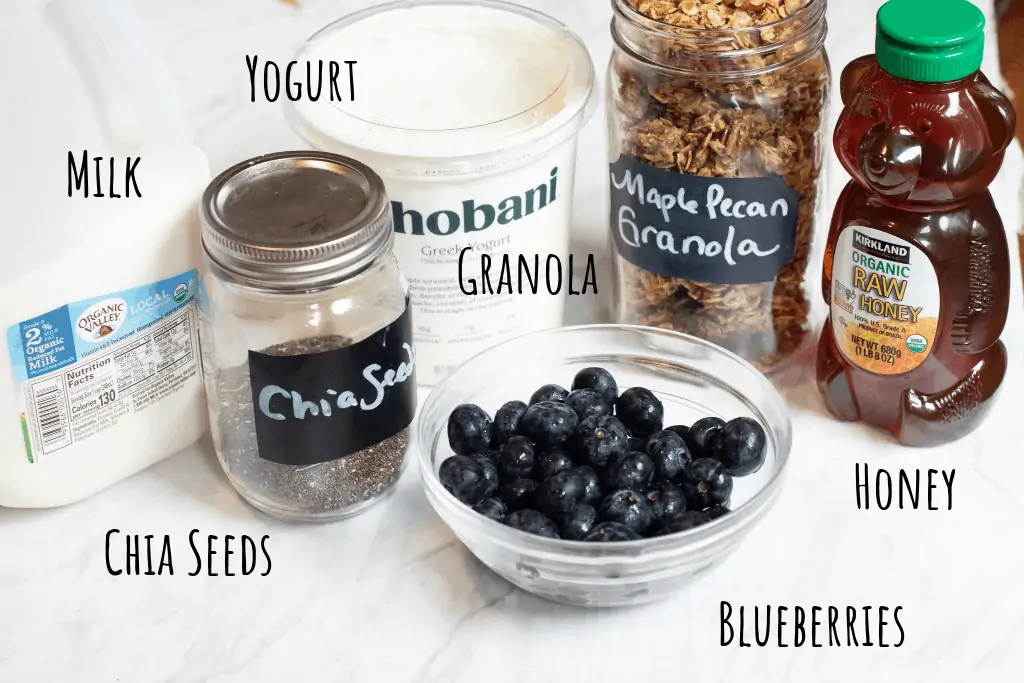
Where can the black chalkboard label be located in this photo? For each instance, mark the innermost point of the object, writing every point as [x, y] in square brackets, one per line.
[319, 407]
[718, 230]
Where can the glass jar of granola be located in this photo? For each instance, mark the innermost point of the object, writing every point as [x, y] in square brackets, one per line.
[717, 116]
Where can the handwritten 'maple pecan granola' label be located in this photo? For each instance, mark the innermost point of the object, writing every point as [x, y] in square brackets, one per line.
[717, 230]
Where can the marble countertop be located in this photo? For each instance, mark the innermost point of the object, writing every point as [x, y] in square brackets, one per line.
[393, 596]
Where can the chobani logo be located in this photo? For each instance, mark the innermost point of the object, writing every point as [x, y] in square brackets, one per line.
[102, 319]
[473, 217]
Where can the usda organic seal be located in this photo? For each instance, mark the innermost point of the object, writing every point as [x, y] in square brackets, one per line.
[917, 343]
[180, 293]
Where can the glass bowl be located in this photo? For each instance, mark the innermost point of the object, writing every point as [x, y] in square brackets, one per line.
[693, 379]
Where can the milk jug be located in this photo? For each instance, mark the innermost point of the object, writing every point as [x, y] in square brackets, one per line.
[99, 358]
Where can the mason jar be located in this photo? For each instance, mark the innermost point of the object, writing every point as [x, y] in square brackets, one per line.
[306, 335]
[718, 118]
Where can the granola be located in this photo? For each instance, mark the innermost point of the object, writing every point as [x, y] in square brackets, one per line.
[738, 104]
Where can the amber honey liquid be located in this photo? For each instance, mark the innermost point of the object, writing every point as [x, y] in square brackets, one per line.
[917, 265]
[1020, 248]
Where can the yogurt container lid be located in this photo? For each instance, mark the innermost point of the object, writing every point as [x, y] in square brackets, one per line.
[447, 87]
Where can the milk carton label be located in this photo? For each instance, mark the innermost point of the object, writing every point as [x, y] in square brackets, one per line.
[80, 368]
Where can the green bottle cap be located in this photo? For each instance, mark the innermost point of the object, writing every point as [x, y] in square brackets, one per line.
[930, 41]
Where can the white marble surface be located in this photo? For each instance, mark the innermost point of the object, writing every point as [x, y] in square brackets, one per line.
[392, 596]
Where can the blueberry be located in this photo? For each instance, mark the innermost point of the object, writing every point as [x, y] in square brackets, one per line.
[705, 483]
[700, 434]
[627, 507]
[464, 478]
[669, 454]
[740, 446]
[532, 522]
[587, 403]
[716, 511]
[516, 459]
[469, 430]
[506, 422]
[519, 494]
[684, 521]
[635, 443]
[681, 430]
[492, 508]
[549, 392]
[667, 501]
[490, 454]
[598, 439]
[640, 410]
[489, 472]
[611, 532]
[598, 379]
[548, 423]
[552, 461]
[578, 523]
[591, 485]
[632, 471]
[559, 494]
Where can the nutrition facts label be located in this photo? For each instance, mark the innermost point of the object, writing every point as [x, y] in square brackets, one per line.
[84, 399]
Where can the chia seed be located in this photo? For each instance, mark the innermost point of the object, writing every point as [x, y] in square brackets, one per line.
[350, 483]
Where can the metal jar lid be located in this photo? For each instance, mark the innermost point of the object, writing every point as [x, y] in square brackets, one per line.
[296, 221]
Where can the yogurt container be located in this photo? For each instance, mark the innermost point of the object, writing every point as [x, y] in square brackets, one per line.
[469, 111]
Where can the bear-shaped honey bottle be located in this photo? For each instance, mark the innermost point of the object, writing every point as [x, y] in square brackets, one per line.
[917, 270]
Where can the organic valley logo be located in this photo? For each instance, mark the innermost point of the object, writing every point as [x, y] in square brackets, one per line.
[101, 320]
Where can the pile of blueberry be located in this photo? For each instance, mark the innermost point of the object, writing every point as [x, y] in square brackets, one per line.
[596, 465]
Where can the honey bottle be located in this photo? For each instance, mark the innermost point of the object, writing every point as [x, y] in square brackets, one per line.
[917, 269]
